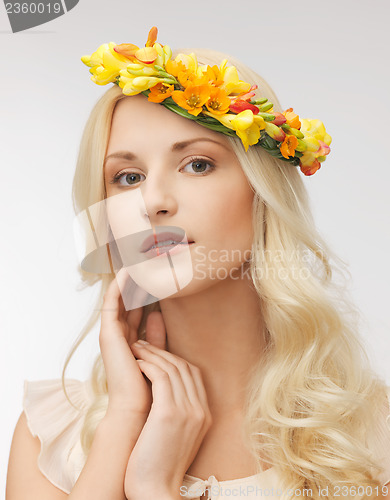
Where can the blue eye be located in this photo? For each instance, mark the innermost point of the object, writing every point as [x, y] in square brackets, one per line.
[198, 165]
[131, 178]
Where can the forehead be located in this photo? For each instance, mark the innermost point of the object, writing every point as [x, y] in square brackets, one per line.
[137, 121]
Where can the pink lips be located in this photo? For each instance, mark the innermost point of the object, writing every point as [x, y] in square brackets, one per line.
[154, 239]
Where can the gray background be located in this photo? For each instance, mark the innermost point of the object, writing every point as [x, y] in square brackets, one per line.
[328, 60]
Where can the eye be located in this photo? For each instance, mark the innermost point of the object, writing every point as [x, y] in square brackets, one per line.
[131, 178]
[199, 165]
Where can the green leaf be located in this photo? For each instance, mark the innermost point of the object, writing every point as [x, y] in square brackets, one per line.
[206, 121]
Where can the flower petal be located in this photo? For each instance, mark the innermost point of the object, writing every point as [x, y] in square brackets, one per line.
[147, 55]
[126, 49]
[152, 37]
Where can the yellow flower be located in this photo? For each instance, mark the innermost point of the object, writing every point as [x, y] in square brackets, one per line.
[274, 131]
[189, 61]
[231, 83]
[164, 53]
[314, 131]
[311, 157]
[246, 125]
[141, 70]
[193, 98]
[317, 141]
[132, 84]
[105, 64]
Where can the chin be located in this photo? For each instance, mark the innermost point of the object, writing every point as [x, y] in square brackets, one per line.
[165, 275]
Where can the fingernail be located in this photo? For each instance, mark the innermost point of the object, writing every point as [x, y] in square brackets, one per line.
[140, 341]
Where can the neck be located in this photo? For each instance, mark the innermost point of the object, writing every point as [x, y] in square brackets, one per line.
[219, 330]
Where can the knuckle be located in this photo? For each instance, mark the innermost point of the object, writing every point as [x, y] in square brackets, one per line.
[173, 370]
[197, 371]
[181, 365]
[209, 418]
[199, 415]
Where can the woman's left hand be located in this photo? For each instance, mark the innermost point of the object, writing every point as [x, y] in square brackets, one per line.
[177, 422]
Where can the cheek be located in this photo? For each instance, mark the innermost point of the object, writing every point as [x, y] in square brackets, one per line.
[230, 216]
[236, 209]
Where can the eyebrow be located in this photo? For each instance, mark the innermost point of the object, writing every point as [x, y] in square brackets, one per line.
[178, 146]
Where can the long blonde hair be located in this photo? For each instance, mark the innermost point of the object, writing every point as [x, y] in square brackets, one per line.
[313, 396]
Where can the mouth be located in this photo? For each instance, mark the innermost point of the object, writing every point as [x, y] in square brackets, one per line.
[164, 241]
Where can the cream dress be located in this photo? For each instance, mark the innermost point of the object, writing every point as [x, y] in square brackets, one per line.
[58, 424]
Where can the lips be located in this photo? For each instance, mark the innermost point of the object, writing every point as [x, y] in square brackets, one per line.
[169, 237]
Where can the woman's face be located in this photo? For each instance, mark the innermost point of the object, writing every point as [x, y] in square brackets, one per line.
[165, 170]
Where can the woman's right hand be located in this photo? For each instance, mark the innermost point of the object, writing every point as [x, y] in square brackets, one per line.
[129, 392]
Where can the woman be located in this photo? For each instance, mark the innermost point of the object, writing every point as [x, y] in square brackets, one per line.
[254, 381]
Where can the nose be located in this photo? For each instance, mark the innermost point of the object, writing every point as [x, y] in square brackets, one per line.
[159, 197]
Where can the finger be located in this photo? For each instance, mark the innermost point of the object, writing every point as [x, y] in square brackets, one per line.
[133, 296]
[111, 306]
[193, 379]
[177, 369]
[162, 392]
[115, 309]
[133, 319]
[199, 384]
[178, 388]
[155, 330]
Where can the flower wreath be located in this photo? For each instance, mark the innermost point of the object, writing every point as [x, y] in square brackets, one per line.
[213, 96]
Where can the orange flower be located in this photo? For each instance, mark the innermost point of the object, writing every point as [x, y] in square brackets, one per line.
[146, 55]
[218, 102]
[174, 67]
[279, 118]
[152, 37]
[126, 50]
[292, 118]
[213, 75]
[186, 78]
[160, 92]
[246, 96]
[239, 105]
[193, 98]
[310, 169]
[288, 146]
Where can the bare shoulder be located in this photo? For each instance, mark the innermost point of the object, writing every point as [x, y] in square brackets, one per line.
[24, 479]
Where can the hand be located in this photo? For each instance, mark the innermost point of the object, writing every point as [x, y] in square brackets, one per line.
[174, 430]
[128, 390]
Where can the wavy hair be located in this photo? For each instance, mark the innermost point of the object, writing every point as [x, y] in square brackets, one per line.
[313, 397]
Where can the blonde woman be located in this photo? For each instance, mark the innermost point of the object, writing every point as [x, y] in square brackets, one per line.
[254, 381]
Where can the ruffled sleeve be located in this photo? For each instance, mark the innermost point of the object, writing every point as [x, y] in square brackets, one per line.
[378, 441]
[57, 424]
